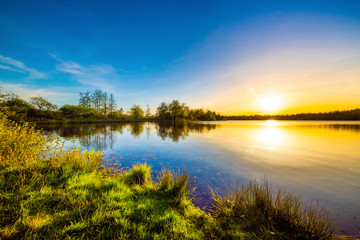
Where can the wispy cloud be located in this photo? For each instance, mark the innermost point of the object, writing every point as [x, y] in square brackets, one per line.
[5, 67]
[103, 76]
[17, 66]
[55, 95]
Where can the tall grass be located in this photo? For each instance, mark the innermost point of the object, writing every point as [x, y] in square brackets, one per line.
[139, 174]
[177, 185]
[257, 210]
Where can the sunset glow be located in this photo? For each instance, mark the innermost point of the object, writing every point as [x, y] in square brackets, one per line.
[270, 103]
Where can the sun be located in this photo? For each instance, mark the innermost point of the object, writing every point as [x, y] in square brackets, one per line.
[270, 103]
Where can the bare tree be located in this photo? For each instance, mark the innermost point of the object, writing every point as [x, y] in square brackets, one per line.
[41, 102]
[96, 99]
[148, 111]
[85, 100]
[112, 103]
[104, 102]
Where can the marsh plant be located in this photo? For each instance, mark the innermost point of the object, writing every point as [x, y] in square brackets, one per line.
[261, 212]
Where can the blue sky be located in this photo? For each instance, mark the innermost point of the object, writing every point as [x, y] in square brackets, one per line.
[223, 55]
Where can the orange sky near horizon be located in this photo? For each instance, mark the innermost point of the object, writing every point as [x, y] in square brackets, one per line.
[290, 82]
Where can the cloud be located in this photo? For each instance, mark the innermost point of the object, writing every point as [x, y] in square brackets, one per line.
[103, 76]
[55, 95]
[17, 66]
[10, 68]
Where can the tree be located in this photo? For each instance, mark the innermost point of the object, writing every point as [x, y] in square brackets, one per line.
[41, 103]
[136, 112]
[5, 97]
[148, 111]
[104, 102]
[185, 110]
[121, 112]
[112, 103]
[175, 110]
[85, 100]
[72, 111]
[96, 99]
[162, 111]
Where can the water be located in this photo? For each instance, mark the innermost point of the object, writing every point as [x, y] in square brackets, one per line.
[318, 159]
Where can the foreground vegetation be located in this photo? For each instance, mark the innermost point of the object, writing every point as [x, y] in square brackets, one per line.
[49, 192]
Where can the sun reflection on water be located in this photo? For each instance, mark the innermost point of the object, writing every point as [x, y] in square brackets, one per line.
[270, 135]
[271, 123]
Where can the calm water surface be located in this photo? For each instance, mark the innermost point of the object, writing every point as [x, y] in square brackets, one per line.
[318, 159]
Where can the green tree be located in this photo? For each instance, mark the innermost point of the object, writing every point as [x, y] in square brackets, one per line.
[20, 109]
[136, 112]
[175, 110]
[162, 111]
[72, 111]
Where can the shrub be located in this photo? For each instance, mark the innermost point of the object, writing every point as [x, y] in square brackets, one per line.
[20, 144]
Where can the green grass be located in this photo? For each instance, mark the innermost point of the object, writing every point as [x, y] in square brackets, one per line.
[47, 192]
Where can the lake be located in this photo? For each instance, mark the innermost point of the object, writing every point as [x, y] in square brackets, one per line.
[318, 159]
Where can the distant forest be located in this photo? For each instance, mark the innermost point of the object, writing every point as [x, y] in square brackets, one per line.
[347, 115]
[99, 106]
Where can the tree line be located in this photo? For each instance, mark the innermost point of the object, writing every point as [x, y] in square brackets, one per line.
[175, 110]
[99, 105]
[95, 105]
[347, 115]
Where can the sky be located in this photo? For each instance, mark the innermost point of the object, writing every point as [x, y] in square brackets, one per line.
[234, 57]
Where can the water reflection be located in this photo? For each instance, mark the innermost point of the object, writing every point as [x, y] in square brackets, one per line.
[136, 128]
[270, 136]
[101, 136]
[181, 130]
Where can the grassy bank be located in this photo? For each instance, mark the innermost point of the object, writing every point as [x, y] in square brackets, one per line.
[49, 192]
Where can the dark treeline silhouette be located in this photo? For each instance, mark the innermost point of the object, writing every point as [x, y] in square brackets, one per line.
[334, 115]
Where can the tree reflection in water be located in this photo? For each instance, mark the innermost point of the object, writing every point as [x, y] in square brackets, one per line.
[103, 136]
